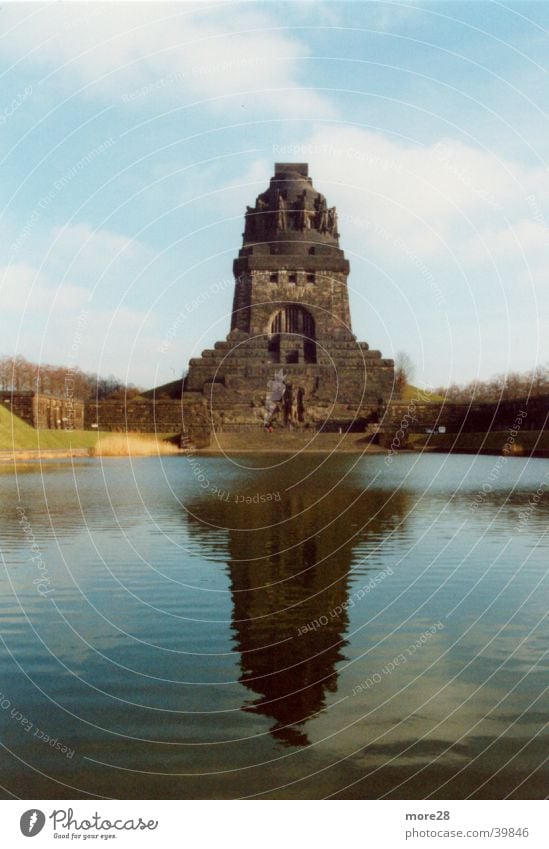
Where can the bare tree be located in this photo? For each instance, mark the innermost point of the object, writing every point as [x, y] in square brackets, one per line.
[404, 371]
[18, 374]
[500, 387]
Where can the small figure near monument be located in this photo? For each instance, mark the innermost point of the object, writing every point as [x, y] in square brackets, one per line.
[275, 392]
[294, 408]
[301, 404]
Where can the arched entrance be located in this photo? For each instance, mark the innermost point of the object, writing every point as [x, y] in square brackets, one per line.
[299, 324]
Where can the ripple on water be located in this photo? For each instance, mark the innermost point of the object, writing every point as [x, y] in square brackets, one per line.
[178, 616]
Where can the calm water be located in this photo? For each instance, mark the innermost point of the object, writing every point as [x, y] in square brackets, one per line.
[275, 627]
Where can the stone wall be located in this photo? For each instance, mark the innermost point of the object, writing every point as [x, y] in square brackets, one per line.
[415, 416]
[321, 291]
[195, 416]
[234, 377]
[21, 404]
[45, 412]
[188, 417]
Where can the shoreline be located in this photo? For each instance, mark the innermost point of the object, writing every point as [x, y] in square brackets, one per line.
[8, 458]
[42, 454]
[534, 444]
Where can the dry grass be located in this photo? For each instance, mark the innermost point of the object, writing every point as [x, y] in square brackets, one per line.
[132, 445]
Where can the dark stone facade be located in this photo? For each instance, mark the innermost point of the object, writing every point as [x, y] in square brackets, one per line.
[291, 312]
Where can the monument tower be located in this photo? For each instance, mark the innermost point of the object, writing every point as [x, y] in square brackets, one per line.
[291, 318]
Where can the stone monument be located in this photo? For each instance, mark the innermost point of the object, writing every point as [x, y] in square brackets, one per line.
[291, 317]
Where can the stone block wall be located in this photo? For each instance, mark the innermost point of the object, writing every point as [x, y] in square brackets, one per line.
[21, 404]
[323, 293]
[188, 416]
[417, 417]
[45, 412]
[236, 374]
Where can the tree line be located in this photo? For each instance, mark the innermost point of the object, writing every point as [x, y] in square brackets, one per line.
[500, 387]
[17, 374]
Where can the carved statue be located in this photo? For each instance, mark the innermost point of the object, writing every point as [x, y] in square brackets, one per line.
[281, 213]
[249, 226]
[332, 221]
[322, 214]
[303, 215]
[261, 214]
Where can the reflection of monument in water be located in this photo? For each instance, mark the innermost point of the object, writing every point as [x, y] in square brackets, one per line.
[289, 580]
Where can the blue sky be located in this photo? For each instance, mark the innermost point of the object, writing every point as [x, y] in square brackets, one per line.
[133, 136]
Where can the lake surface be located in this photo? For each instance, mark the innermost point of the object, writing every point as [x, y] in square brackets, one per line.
[275, 627]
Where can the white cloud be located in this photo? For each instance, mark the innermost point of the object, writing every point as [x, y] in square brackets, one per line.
[241, 191]
[169, 52]
[325, 13]
[525, 241]
[420, 194]
[389, 17]
[448, 244]
[25, 290]
[47, 310]
[57, 323]
[125, 341]
[389, 189]
[80, 251]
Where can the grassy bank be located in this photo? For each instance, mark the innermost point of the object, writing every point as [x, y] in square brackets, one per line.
[525, 443]
[415, 393]
[17, 436]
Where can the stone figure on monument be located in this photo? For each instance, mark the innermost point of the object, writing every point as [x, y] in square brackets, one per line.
[261, 214]
[332, 221]
[303, 217]
[322, 214]
[281, 213]
[249, 223]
